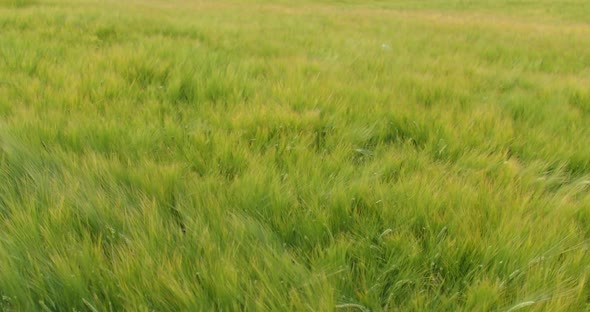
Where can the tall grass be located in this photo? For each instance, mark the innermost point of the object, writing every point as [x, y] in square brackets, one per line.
[317, 155]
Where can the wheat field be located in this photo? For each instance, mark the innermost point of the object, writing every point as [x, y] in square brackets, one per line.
[252, 155]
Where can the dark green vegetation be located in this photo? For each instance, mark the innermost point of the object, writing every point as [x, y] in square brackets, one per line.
[288, 155]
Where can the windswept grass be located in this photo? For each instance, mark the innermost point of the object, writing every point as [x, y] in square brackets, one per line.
[287, 155]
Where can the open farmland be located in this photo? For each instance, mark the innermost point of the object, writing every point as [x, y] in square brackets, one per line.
[251, 155]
